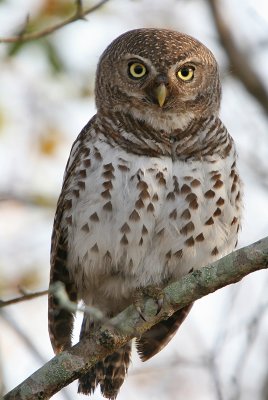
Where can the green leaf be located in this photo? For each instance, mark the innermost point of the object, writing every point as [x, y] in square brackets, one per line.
[53, 56]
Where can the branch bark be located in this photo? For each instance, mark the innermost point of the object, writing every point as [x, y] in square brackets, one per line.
[67, 366]
[239, 61]
[79, 14]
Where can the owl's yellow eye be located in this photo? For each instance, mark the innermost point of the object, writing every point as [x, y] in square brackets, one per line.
[137, 70]
[186, 73]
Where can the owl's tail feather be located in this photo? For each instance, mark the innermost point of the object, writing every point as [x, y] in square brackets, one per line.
[156, 338]
[109, 373]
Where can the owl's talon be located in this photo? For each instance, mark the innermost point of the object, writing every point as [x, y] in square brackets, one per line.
[159, 303]
[137, 303]
[152, 292]
[141, 313]
[156, 293]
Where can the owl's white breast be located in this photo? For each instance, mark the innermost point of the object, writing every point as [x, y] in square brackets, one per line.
[138, 220]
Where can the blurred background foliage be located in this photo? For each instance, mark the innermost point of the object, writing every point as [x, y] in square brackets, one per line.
[46, 97]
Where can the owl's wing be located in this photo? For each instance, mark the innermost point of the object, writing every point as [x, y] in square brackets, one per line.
[60, 321]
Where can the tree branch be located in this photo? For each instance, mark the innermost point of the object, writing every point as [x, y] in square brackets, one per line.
[67, 366]
[238, 59]
[25, 296]
[79, 14]
[34, 199]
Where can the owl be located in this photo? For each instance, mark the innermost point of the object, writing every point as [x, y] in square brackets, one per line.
[151, 190]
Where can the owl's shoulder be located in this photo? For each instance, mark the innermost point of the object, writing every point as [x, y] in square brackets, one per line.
[80, 145]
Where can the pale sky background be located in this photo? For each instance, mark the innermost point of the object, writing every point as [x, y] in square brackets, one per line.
[42, 112]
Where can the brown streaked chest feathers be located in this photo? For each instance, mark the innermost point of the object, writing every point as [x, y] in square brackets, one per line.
[137, 220]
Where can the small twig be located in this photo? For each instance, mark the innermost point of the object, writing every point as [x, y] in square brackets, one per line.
[251, 328]
[22, 291]
[79, 8]
[24, 297]
[238, 59]
[215, 376]
[79, 14]
[58, 290]
[25, 25]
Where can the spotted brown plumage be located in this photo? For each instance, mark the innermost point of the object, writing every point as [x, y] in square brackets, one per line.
[151, 190]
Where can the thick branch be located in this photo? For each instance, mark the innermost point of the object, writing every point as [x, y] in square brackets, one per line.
[238, 59]
[79, 14]
[67, 366]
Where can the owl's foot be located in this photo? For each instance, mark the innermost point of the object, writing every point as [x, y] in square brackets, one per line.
[155, 293]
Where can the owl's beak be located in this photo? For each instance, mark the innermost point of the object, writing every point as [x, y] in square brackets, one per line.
[161, 94]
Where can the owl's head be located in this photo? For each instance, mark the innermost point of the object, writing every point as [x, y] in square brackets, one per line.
[162, 77]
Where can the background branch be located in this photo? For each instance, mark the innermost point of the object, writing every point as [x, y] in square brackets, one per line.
[24, 297]
[22, 335]
[32, 200]
[238, 59]
[67, 366]
[79, 14]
